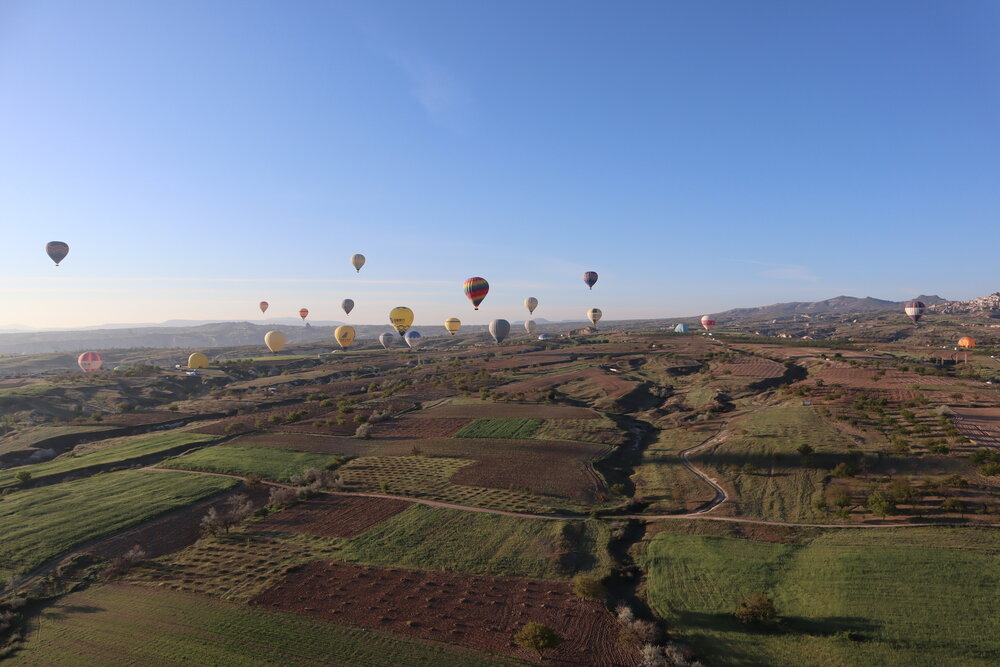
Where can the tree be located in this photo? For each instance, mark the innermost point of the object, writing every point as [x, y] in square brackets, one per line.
[537, 637]
[22, 477]
[364, 431]
[589, 586]
[881, 504]
[756, 608]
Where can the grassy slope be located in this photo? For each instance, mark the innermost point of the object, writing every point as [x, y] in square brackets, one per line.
[38, 524]
[440, 539]
[780, 488]
[26, 440]
[99, 626]
[663, 480]
[915, 596]
[125, 452]
[269, 463]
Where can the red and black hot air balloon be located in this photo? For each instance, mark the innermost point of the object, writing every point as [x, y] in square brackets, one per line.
[590, 277]
[476, 289]
[914, 310]
[57, 251]
[303, 313]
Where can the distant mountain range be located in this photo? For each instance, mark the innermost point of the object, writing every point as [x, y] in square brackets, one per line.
[840, 305]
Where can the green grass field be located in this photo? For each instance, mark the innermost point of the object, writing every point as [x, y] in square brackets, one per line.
[663, 480]
[909, 596]
[39, 524]
[456, 541]
[500, 428]
[279, 465]
[759, 465]
[30, 438]
[119, 453]
[102, 625]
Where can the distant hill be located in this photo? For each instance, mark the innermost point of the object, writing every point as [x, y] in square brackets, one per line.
[840, 305]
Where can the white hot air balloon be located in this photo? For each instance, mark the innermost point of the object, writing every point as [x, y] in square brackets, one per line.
[530, 326]
[412, 339]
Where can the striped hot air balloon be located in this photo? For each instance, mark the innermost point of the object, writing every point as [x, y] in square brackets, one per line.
[594, 315]
[914, 310]
[531, 303]
[57, 251]
[708, 322]
[357, 261]
[452, 325]
[89, 362]
[303, 313]
[476, 289]
[590, 277]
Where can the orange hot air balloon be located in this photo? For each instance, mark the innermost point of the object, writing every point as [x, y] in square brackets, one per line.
[967, 343]
[263, 306]
[303, 313]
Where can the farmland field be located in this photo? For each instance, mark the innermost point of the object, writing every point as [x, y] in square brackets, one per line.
[322, 444]
[138, 448]
[471, 610]
[662, 479]
[279, 465]
[483, 410]
[500, 428]
[99, 626]
[39, 524]
[333, 516]
[455, 541]
[885, 597]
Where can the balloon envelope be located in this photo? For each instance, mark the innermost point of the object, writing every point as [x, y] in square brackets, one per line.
[344, 335]
[545, 336]
[499, 329]
[347, 305]
[476, 289]
[708, 322]
[914, 310]
[452, 325]
[594, 315]
[385, 339]
[89, 362]
[197, 360]
[275, 341]
[412, 339]
[531, 303]
[263, 306]
[966, 342]
[529, 326]
[401, 318]
[57, 251]
[303, 313]
[357, 261]
[590, 278]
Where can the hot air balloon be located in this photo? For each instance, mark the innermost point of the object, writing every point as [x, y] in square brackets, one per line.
[531, 303]
[303, 313]
[263, 306]
[57, 251]
[347, 305]
[344, 335]
[476, 289]
[357, 261]
[590, 277]
[594, 315]
[452, 325]
[197, 360]
[529, 326]
[914, 310]
[708, 322]
[385, 339]
[412, 339]
[89, 362]
[545, 336]
[401, 318]
[275, 341]
[966, 342]
[499, 329]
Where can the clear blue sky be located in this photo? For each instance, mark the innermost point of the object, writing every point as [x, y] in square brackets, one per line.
[202, 156]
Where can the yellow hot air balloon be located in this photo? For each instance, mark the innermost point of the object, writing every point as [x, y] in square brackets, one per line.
[594, 315]
[275, 341]
[344, 335]
[452, 325]
[197, 360]
[401, 318]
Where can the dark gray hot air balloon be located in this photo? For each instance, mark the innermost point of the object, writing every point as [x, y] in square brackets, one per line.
[499, 329]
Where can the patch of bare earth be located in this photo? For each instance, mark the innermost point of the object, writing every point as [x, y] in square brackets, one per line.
[475, 611]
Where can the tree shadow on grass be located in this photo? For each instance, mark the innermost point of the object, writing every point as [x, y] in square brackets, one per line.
[64, 611]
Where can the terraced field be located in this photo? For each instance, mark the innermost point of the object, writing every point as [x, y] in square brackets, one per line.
[500, 428]
[279, 465]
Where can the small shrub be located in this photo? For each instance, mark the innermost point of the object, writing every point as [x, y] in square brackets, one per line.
[756, 608]
[589, 586]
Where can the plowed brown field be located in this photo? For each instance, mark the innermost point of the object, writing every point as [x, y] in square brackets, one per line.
[420, 427]
[333, 516]
[525, 411]
[981, 425]
[752, 367]
[476, 611]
